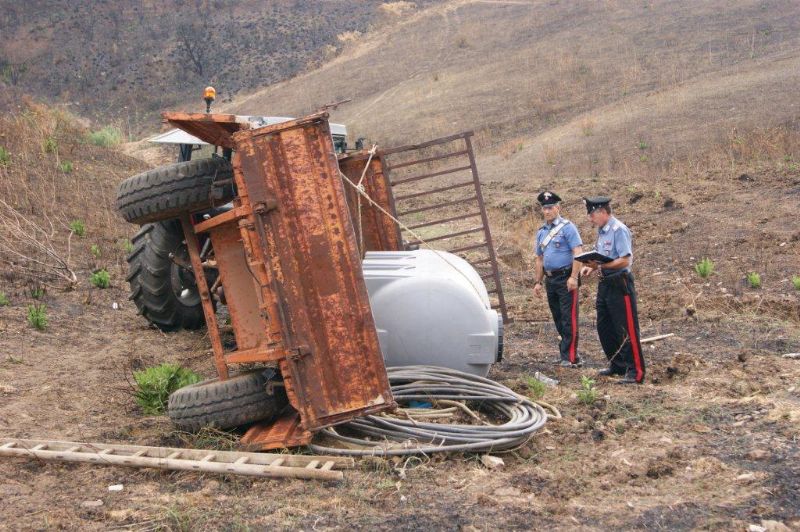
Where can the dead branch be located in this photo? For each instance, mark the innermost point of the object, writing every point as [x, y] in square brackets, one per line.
[28, 247]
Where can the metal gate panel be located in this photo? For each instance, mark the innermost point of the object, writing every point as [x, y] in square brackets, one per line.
[437, 195]
[334, 368]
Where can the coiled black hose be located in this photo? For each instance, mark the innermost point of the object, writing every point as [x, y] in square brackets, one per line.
[390, 434]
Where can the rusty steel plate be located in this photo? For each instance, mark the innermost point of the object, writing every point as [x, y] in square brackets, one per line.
[378, 231]
[334, 370]
[285, 431]
[216, 129]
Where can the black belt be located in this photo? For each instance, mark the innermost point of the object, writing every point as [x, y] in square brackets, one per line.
[556, 273]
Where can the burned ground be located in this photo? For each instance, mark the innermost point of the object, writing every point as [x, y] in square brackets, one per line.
[708, 442]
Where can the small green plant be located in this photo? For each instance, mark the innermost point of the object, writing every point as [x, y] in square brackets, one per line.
[37, 316]
[100, 279]
[536, 388]
[643, 145]
[154, 385]
[77, 227]
[127, 246]
[95, 250]
[4, 301]
[588, 393]
[66, 167]
[50, 145]
[704, 268]
[5, 156]
[754, 280]
[37, 292]
[106, 137]
[796, 282]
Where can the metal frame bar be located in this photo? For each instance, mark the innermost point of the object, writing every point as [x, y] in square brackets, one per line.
[449, 235]
[445, 220]
[205, 297]
[428, 159]
[433, 191]
[428, 176]
[438, 206]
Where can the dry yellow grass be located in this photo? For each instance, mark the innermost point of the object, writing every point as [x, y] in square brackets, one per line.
[582, 83]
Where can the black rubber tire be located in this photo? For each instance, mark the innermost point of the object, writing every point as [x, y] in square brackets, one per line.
[168, 191]
[157, 284]
[240, 400]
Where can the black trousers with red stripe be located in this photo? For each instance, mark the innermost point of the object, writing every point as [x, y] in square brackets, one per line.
[564, 308]
[618, 324]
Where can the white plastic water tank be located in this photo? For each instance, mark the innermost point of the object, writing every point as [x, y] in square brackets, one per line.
[432, 307]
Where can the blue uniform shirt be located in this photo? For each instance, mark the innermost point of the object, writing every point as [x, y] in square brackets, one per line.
[614, 240]
[558, 252]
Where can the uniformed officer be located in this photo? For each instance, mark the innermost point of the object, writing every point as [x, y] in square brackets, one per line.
[617, 317]
[556, 243]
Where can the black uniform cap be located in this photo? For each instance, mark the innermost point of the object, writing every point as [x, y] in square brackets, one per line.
[548, 198]
[595, 203]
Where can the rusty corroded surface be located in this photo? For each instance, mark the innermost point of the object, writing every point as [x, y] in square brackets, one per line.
[286, 431]
[303, 235]
[378, 231]
[205, 296]
[240, 287]
[216, 129]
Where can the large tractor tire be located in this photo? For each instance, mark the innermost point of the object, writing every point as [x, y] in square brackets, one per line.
[164, 292]
[240, 400]
[168, 191]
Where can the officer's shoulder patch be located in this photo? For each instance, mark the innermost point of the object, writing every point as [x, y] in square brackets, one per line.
[615, 226]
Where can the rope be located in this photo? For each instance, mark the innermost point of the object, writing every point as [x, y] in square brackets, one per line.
[409, 432]
[360, 187]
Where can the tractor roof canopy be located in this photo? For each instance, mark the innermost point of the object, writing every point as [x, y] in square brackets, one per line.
[178, 136]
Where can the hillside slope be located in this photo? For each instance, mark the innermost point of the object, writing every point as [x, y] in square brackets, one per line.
[572, 85]
[125, 61]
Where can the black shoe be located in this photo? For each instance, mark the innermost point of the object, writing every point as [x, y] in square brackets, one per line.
[630, 378]
[610, 371]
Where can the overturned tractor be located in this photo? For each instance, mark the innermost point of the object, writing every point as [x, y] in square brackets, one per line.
[319, 268]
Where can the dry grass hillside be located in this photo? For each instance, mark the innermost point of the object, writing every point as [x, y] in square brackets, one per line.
[555, 87]
[123, 62]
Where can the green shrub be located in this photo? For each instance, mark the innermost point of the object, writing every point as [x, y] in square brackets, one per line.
[5, 156]
[95, 250]
[77, 227]
[4, 299]
[37, 292]
[100, 279]
[536, 388]
[66, 167]
[50, 145]
[587, 394]
[156, 383]
[106, 137]
[643, 145]
[37, 316]
[704, 268]
[754, 280]
[127, 246]
[796, 282]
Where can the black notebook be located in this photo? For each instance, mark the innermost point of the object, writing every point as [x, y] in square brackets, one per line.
[593, 256]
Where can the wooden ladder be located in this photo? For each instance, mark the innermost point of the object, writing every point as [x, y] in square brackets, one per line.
[208, 461]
